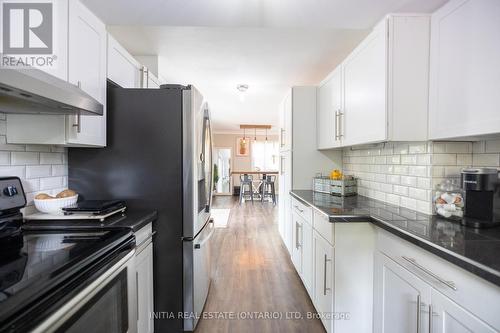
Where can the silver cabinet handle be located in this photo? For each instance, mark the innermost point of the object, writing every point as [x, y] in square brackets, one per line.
[325, 289]
[79, 84]
[419, 304]
[78, 124]
[341, 128]
[449, 284]
[430, 318]
[337, 121]
[297, 207]
[297, 228]
[282, 165]
[282, 137]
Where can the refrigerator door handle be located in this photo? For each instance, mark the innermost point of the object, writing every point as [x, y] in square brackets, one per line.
[207, 238]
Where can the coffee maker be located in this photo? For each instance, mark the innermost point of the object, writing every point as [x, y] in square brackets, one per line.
[482, 197]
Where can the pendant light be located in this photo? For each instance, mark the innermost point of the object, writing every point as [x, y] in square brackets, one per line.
[266, 134]
[255, 135]
[244, 136]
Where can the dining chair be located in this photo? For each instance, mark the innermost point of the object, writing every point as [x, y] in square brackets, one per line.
[246, 187]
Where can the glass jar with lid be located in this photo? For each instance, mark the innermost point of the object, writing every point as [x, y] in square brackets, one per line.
[448, 200]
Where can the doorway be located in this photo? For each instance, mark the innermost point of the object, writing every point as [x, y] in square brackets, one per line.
[222, 171]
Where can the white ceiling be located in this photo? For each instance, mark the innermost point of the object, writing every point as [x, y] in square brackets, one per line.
[268, 44]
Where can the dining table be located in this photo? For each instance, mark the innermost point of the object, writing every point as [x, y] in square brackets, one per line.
[256, 189]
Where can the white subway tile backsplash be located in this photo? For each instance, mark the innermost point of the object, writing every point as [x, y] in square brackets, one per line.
[401, 190]
[409, 181]
[17, 171]
[486, 160]
[51, 158]
[51, 183]
[24, 158]
[464, 159]
[444, 159]
[458, 147]
[405, 173]
[34, 164]
[37, 171]
[409, 159]
[418, 148]
[492, 146]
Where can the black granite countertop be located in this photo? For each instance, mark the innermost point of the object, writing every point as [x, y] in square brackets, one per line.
[475, 250]
[132, 219]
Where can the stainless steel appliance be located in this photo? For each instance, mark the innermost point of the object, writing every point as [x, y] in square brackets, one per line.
[159, 157]
[60, 280]
[482, 197]
[31, 90]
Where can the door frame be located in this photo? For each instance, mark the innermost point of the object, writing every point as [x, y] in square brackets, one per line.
[230, 193]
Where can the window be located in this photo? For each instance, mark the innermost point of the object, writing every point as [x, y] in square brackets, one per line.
[265, 155]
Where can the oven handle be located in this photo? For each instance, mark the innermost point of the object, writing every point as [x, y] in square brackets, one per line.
[76, 303]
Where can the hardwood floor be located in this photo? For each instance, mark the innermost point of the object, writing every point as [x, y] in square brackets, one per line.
[253, 275]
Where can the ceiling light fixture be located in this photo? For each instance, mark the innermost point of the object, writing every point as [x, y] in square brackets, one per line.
[242, 89]
[255, 135]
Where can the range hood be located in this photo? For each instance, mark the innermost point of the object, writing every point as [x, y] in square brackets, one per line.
[32, 91]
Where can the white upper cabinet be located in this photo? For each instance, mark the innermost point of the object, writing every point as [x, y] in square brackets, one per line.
[384, 87]
[465, 69]
[285, 121]
[329, 110]
[60, 41]
[365, 74]
[87, 69]
[123, 69]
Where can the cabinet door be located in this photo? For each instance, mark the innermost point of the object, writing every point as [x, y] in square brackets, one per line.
[323, 279]
[145, 292]
[87, 69]
[328, 111]
[297, 241]
[449, 317]
[123, 69]
[285, 185]
[286, 122]
[465, 69]
[401, 299]
[307, 257]
[365, 70]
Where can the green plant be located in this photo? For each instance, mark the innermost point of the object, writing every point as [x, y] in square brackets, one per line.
[216, 175]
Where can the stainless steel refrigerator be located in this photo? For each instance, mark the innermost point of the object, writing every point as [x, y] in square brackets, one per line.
[159, 156]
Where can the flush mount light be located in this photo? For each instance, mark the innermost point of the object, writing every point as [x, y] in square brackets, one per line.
[242, 87]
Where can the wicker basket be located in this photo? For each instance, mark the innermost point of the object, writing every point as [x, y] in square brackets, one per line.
[344, 187]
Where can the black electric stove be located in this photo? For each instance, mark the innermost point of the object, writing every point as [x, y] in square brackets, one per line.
[41, 270]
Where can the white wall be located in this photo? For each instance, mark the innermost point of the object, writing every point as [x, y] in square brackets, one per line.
[42, 168]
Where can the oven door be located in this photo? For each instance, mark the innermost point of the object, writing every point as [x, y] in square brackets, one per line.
[108, 304]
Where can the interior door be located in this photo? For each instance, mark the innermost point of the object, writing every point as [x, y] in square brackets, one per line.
[323, 278]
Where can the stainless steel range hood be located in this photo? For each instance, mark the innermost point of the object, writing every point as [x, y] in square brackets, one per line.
[32, 91]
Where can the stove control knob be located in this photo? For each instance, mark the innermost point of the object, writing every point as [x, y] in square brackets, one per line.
[10, 191]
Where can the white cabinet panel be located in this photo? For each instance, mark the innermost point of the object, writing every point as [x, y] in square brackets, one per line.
[328, 111]
[145, 291]
[284, 200]
[87, 69]
[365, 73]
[401, 301]
[123, 69]
[285, 122]
[465, 69]
[323, 279]
[449, 317]
[60, 41]
[307, 257]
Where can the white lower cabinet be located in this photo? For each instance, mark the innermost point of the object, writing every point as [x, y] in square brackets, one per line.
[144, 280]
[416, 291]
[449, 317]
[302, 249]
[401, 299]
[323, 255]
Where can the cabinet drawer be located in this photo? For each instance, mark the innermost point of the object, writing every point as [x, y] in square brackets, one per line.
[473, 293]
[324, 227]
[302, 210]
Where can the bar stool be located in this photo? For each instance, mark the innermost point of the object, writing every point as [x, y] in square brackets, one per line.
[268, 189]
[246, 187]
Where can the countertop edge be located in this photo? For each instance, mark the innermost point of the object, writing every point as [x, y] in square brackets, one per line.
[467, 264]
